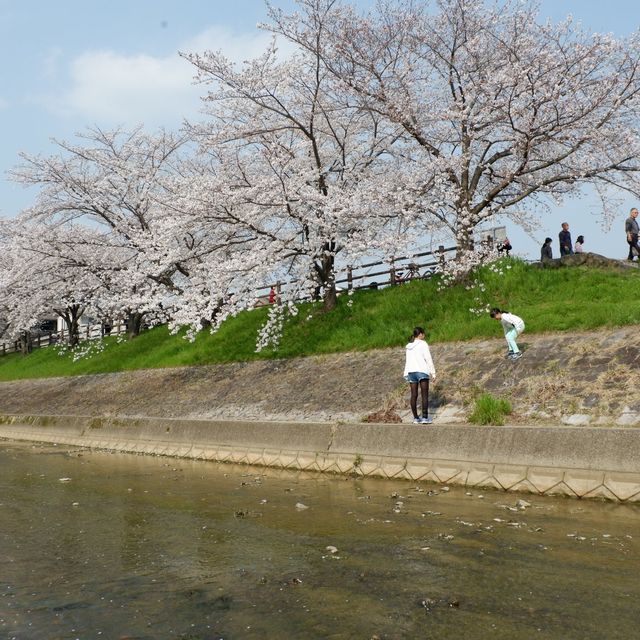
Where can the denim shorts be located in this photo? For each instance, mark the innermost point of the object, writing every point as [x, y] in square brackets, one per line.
[416, 376]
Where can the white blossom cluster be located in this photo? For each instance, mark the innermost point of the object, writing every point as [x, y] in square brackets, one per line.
[376, 133]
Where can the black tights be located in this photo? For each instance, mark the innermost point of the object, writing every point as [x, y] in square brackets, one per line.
[424, 392]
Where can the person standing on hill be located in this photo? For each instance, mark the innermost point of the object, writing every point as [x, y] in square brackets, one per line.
[513, 326]
[565, 240]
[631, 229]
[546, 253]
[418, 370]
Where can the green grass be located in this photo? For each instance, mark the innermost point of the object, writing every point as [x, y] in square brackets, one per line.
[490, 410]
[565, 299]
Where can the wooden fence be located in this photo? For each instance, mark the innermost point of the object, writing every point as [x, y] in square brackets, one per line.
[370, 275]
[39, 339]
[377, 275]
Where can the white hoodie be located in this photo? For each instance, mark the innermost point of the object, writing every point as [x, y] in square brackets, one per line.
[419, 358]
[512, 321]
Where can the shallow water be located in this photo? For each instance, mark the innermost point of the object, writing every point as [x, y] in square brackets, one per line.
[98, 545]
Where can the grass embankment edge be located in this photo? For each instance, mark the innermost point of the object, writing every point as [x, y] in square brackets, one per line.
[550, 300]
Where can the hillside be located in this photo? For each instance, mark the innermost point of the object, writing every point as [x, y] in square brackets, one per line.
[589, 379]
[577, 293]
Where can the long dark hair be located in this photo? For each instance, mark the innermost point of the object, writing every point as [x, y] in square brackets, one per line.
[495, 311]
[416, 332]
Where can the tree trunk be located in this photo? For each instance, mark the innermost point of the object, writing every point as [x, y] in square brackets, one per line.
[330, 298]
[326, 271]
[71, 317]
[464, 239]
[74, 333]
[26, 343]
[134, 324]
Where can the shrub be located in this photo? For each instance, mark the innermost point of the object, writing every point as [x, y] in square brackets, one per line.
[490, 410]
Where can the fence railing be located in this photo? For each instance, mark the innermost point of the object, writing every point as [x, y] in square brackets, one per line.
[46, 338]
[370, 275]
[376, 275]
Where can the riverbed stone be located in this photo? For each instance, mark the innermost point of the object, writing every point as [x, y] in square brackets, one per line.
[590, 401]
[628, 418]
[576, 419]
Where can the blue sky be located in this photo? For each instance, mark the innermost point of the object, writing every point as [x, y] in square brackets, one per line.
[69, 64]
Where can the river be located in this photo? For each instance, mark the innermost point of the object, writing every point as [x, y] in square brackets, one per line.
[101, 545]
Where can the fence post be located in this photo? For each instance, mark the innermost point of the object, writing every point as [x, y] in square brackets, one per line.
[392, 273]
[441, 256]
[349, 278]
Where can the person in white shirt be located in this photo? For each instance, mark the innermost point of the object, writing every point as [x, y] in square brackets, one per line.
[418, 370]
[513, 326]
[578, 246]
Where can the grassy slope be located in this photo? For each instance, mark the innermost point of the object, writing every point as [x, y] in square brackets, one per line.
[549, 300]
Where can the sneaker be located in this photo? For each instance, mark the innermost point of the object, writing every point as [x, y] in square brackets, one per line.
[417, 421]
[425, 420]
[516, 355]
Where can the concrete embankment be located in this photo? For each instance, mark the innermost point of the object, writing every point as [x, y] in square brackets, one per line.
[307, 413]
[586, 462]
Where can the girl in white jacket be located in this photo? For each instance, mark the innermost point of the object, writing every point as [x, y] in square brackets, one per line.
[418, 370]
[513, 326]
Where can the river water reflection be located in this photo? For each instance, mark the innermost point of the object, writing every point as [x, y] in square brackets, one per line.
[98, 545]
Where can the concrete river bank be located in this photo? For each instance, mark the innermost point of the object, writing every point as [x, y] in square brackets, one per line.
[115, 546]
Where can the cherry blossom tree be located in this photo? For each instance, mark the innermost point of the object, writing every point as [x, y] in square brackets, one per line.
[500, 112]
[288, 153]
[114, 180]
[46, 270]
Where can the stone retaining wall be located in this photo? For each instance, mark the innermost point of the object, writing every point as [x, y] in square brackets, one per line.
[589, 378]
[574, 461]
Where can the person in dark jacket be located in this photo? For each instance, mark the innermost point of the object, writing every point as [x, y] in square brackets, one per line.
[505, 246]
[565, 240]
[631, 229]
[546, 252]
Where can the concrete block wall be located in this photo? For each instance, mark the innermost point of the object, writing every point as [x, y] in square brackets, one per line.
[583, 462]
